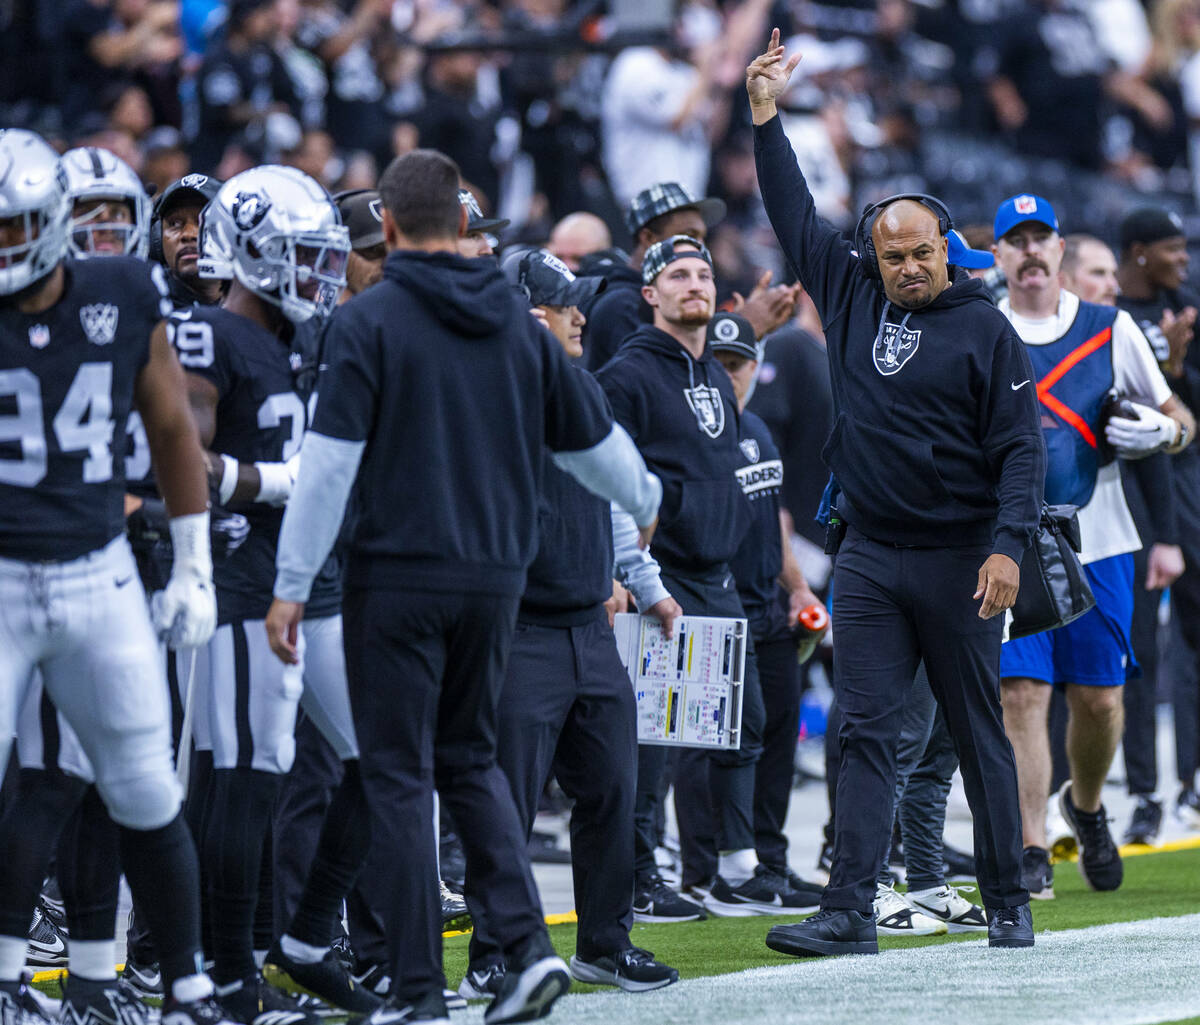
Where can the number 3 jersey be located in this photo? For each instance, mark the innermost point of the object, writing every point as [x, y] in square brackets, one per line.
[261, 417]
[67, 379]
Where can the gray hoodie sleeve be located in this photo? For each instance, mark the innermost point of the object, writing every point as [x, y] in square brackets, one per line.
[614, 469]
[314, 512]
[634, 565]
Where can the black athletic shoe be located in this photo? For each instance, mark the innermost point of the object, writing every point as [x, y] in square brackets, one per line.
[633, 970]
[799, 884]
[482, 983]
[655, 901]
[254, 1001]
[825, 934]
[47, 942]
[536, 978]
[1099, 860]
[959, 866]
[51, 900]
[194, 1012]
[1145, 822]
[39, 1008]
[105, 1002]
[143, 979]
[455, 915]
[1037, 875]
[764, 893]
[429, 1010]
[327, 979]
[1010, 927]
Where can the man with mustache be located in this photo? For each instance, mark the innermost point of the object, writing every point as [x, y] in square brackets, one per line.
[175, 239]
[939, 464]
[1082, 355]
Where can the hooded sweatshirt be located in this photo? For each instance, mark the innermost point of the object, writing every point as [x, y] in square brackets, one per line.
[452, 391]
[936, 438]
[682, 415]
[613, 315]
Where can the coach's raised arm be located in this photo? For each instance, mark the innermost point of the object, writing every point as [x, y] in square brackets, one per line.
[937, 450]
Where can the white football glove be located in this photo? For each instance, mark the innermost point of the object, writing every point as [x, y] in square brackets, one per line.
[1151, 432]
[185, 611]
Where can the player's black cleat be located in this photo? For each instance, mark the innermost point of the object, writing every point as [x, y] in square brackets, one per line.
[145, 979]
[1099, 860]
[104, 1002]
[1010, 927]
[47, 942]
[825, 934]
[327, 979]
[195, 1012]
[254, 1001]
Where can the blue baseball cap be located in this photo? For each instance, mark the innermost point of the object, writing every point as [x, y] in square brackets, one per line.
[1019, 209]
[959, 254]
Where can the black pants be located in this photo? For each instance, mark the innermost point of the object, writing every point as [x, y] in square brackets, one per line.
[1185, 595]
[779, 673]
[425, 670]
[714, 790]
[1140, 741]
[567, 706]
[893, 607]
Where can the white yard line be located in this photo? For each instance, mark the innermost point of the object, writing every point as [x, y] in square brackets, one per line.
[1129, 973]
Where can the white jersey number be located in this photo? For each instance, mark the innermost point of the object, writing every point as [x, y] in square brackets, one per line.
[285, 405]
[83, 423]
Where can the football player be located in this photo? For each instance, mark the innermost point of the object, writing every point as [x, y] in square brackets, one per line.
[81, 343]
[110, 211]
[275, 235]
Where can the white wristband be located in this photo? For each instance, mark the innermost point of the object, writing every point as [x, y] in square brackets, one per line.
[229, 479]
[276, 484]
[189, 539]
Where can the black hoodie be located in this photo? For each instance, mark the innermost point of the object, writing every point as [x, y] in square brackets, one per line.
[613, 315]
[682, 415]
[456, 390]
[936, 438]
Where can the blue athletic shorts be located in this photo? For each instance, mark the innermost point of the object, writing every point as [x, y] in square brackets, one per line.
[1093, 651]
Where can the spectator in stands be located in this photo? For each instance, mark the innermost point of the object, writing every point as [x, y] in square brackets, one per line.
[578, 235]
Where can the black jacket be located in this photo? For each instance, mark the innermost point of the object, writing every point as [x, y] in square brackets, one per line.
[936, 441]
[613, 316]
[456, 391]
[682, 414]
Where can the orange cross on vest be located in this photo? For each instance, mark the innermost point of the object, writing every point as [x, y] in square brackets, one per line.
[1056, 405]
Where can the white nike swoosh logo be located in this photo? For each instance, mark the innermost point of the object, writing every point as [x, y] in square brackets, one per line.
[57, 947]
[1018, 387]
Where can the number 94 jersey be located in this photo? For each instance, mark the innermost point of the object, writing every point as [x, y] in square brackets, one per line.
[260, 419]
[67, 379]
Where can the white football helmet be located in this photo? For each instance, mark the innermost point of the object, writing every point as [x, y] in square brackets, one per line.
[97, 174]
[34, 189]
[278, 232]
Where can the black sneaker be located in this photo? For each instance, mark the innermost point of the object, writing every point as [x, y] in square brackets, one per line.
[1099, 860]
[1037, 876]
[536, 978]
[455, 915]
[51, 901]
[826, 933]
[254, 1001]
[633, 970]
[144, 979]
[958, 866]
[800, 885]
[1010, 927]
[327, 979]
[429, 1010]
[105, 1002]
[47, 942]
[655, 901]
[1145, 822]
[1187, 808]
[482, 983]
[764, 893]
[39, 1008]
[194, 1012]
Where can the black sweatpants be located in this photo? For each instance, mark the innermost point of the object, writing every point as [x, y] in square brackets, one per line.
[567, 706]
[1140, 740]
[779, 674]
[425, 670]
[891, 608]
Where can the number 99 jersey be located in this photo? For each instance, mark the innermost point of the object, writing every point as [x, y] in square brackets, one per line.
[67, 379]
[260, 419]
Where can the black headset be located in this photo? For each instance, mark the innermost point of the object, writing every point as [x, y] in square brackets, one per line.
[201, 185]
[862, 233]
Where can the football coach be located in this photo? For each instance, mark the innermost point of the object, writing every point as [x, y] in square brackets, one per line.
[937, 450]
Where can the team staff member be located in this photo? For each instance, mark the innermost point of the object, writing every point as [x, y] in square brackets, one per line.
[437, 563]
[1081, 353]
[937, 450]
[175, 239]
[764, 563]
[566, 705]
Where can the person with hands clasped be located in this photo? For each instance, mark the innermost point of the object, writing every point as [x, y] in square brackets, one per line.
[940, 464]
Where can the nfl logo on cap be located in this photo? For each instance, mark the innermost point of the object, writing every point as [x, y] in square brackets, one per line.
[1025, 204]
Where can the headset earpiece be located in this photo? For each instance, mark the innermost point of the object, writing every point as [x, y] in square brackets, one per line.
[865, 244]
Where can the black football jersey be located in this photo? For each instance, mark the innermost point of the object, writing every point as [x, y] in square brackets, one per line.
[261, 418]
[67, 379]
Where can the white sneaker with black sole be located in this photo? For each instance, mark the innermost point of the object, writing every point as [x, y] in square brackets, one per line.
[947, 904]
[894, 916]
[633, 970]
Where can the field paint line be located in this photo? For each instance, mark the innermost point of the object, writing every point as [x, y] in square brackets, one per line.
[1127, 973]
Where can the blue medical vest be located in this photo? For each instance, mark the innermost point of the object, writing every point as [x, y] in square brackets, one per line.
[1074, 377]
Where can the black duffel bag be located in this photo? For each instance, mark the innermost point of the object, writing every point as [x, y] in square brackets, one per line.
[1054, 589]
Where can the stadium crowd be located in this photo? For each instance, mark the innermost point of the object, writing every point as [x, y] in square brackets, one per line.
[355, 198]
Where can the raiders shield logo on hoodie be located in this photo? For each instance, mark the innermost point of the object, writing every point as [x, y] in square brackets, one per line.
[895, 346]
[708, 408]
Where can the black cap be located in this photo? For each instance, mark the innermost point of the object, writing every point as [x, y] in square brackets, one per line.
[1149, 224]
[662, 199]
[475, 219]
[362, 214]
[731, 332]
[664, 252]
[191, 188]
[547, 281]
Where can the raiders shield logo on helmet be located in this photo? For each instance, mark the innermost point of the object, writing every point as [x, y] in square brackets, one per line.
[749, 449]
[249, 209]
[708, 408]
[99, 322]
[894, 347]
[193, 181]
